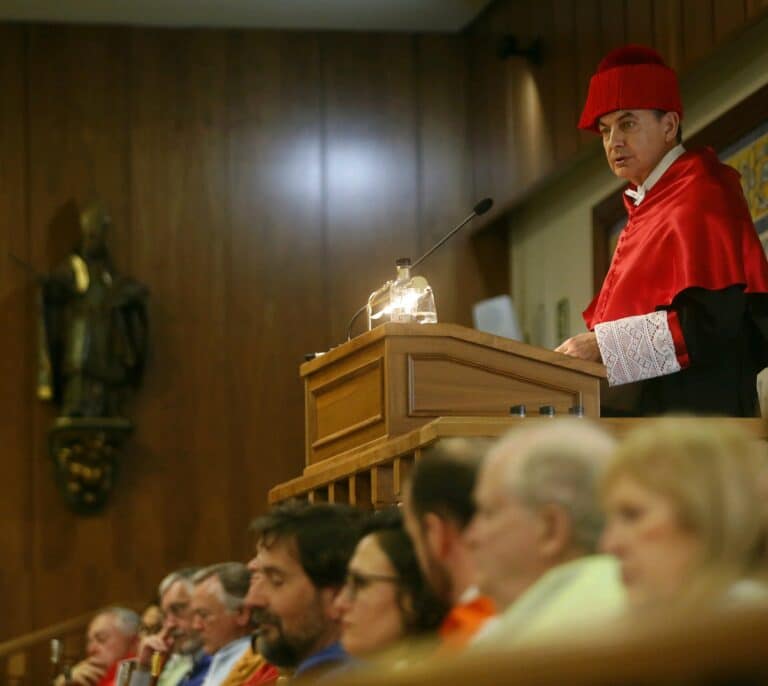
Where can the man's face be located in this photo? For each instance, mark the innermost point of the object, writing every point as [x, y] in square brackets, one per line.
[106, 643]
[636, 140]
[294, 619]
[434, 571]
[215, 622]
[504, 538]
[177, 613]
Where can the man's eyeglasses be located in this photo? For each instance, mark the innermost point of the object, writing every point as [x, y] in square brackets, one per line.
[356, 581]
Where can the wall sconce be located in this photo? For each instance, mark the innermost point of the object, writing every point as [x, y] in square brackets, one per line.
[510, 46]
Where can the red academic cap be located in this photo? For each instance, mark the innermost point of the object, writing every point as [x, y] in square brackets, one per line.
[630, 78]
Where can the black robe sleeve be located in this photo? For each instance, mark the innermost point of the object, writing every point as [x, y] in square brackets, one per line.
[725, 334]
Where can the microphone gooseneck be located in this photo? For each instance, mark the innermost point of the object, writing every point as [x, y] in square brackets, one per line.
[480, 208]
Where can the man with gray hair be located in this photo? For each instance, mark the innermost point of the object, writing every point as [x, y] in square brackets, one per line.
[224, 623]
[188, 664]
[536, 529]
[112, 636]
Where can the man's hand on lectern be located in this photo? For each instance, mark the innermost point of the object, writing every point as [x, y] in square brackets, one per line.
[583, 345]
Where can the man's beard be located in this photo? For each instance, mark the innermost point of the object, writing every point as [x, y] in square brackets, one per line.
[287, 650]
[188, 644]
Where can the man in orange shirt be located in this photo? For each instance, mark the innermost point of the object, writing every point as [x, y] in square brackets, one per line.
[437, 508]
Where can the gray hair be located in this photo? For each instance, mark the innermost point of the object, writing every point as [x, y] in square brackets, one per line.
[234, 581]
[186, 574]
[126, 621]
[559, 463]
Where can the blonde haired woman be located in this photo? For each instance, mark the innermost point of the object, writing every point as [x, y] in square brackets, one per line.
[685, 503]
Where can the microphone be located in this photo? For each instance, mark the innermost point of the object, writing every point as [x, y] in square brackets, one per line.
[55, 658]
[480, 208]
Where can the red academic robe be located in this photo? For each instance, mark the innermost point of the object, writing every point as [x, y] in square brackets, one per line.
[688, 268]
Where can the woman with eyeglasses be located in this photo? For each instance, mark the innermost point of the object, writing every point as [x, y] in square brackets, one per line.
[386, 599]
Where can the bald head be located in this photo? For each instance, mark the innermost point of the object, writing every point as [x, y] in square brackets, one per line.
[537, 504]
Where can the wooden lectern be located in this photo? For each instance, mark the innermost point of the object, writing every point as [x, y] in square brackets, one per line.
[374, 404]
[398, 377]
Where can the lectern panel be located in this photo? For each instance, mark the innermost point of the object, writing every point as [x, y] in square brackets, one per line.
[345, 405]
[397, 377]
[441, 386]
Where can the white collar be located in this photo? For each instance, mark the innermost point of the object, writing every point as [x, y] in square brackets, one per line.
[232, 649]
[658, 171]
[470, 594]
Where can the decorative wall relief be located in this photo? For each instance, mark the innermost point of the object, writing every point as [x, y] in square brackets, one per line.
[92, 348]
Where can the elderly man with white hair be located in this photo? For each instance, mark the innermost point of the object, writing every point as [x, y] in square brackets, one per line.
[112, 636]
[536, 530]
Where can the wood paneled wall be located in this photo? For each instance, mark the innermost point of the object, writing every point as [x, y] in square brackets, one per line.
[262, 184]
[524, 116]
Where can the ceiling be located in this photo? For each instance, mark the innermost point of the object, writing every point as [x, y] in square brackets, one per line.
[350, 15]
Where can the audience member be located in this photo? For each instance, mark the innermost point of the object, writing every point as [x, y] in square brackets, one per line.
[151, 619]
[438, 506]
[686, 512]
[536, 529]
[302, 552]
[112, 636]
[188, 664]
[220, 616]
[385, 598]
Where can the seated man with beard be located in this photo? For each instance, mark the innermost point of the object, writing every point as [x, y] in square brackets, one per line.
[188, 663]
[300, 567]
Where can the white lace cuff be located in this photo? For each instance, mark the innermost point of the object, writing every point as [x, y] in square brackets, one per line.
[637, 348]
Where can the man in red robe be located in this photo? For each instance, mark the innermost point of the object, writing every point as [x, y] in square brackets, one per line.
[113, 635]
[682, 314]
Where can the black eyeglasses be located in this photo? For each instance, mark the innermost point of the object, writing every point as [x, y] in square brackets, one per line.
[356, 581]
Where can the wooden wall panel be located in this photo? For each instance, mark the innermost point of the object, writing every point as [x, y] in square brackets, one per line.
[77, 147]
[588, 55]
[179, 189]
[576, 34]
[446, 193]
[667, 23]
[729, 15]
[279, 302]
[493, 170]
[17, 326]
[545, 74]
[561, 49]
[756, 7]
[262, 184]
[639, 22]
[698, 30]
[370, 166]
[614, 26]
